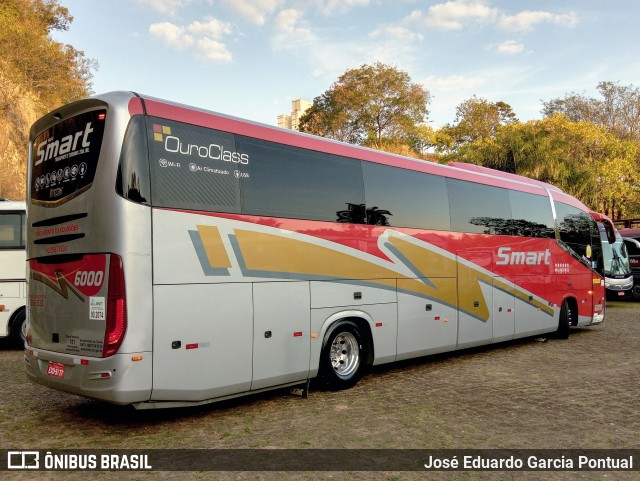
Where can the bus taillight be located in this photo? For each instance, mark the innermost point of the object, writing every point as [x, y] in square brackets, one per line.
[116, 308]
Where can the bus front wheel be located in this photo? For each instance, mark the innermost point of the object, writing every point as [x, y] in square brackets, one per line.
[564, 324]
[343, 356]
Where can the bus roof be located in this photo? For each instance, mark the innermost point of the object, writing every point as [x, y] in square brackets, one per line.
[506, 175]
[6, 204]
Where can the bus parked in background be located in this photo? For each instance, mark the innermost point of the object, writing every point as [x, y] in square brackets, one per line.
[618, 278]
[632, 244]
[629, 224]
[629, 229]
[178, 256]
[13, 265]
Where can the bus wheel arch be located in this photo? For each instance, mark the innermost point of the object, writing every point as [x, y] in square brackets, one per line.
[568, 317]
[18, 327]
[346, 351]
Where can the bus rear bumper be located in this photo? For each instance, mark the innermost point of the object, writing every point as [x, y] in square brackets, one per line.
[120, 379]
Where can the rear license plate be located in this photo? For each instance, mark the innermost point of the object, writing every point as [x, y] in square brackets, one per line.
[55, 369]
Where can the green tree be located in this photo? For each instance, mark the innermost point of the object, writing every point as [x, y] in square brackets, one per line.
[618, 110]
[583, 159]
[476, 118]
[37, 74]
[374, 105]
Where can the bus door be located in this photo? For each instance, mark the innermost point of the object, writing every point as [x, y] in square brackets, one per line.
[281, 333]
[201, 341]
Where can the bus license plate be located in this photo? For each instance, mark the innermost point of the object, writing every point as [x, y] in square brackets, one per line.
[55, 369]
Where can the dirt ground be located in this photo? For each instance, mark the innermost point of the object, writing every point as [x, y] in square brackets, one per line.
[580, 393]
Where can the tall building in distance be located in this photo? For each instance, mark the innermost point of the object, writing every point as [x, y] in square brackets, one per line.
[298, 109]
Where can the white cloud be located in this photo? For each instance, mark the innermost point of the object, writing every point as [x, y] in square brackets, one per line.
[397, 32]
[213, 50]
[510, 47]
[168, 7]
[527, 19]
[454, 15]
[330, 7]
[453, 83]
[203, 37]
[171, 35]
[287, 20]
[457, 14]
[254, 11]
[211, 27]
[291, 30]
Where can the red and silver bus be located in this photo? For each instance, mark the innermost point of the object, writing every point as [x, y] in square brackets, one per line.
[13, 284]
[179, 256]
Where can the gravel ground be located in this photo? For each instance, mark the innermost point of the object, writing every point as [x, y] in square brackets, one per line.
[528, 394]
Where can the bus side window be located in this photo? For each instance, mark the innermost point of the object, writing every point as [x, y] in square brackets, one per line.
[12, 230]
[577, 229]
[285, 181]
[405, 198]
[532, 215]
[478, 208]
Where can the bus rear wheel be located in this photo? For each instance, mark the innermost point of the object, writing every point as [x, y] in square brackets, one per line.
[343, 356]
[19, 328]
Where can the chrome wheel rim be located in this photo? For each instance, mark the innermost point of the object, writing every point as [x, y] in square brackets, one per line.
[345, 354]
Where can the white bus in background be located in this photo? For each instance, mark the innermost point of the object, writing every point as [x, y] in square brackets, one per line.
[13, 286]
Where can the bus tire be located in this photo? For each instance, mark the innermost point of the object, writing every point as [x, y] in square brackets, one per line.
[564, 324]
[18, 328]
[635, 291]
[343, 356]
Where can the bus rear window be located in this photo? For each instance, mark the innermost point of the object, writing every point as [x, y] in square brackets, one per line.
[65, 157]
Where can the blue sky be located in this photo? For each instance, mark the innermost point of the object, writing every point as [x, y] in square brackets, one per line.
[250, 58]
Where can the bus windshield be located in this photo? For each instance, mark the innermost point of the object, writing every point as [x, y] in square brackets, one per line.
[616, 259]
